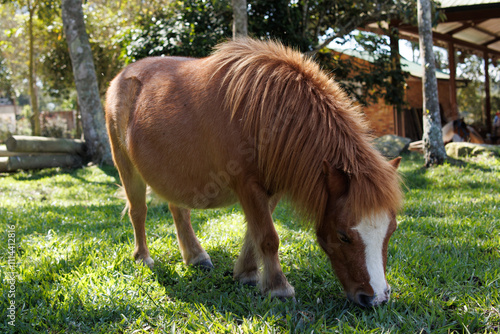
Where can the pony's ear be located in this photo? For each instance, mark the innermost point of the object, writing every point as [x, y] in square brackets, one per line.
[337, 181]
[395, 162]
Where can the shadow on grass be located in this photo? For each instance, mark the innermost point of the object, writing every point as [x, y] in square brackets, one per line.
[39, 174]
[110, 171]
[35, 175]
[467, 163]
[216, 290]
[415, 178]
[65, 219]
[75, 317]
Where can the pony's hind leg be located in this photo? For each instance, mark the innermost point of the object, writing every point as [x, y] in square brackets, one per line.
[191, 250]
[262, 234]
[135, 188]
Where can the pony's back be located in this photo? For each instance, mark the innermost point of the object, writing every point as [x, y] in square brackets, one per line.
[263, 106]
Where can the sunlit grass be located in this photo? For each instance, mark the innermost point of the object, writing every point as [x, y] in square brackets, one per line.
[75, 273]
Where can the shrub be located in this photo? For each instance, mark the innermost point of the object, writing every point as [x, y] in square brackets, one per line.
[55, 127]
[6, 128]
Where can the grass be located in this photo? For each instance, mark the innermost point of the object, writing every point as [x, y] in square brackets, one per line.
[75, 273]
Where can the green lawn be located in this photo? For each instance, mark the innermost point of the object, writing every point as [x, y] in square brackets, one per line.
[75, 273]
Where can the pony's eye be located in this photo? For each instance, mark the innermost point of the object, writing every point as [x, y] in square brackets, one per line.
[343, 238]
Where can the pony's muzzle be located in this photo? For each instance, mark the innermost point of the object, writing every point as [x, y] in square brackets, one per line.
[365, 300]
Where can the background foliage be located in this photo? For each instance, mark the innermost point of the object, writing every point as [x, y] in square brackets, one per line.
[188, 28]
[124, 31]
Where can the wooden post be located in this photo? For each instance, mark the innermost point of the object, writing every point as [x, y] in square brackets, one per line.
[31, 79]
[399, 124]
[487, 102]
[453, 85]
[87, 89]
[240, 20]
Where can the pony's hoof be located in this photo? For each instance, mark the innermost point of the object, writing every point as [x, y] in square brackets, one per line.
[285, 299]
[285, 293]
[251, 283]
[147, 261]
[248, 278]
[204, 265]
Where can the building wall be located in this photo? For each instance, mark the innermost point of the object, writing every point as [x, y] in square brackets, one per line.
[380, 118]
[415, 99]
[69, 117]
[8, 117]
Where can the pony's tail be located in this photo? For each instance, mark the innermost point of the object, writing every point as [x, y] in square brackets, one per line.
[121, 194]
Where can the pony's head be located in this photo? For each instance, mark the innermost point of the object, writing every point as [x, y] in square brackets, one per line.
[356, 243]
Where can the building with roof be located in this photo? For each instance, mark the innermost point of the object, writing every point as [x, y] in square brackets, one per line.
[383, 118]
[471, 26]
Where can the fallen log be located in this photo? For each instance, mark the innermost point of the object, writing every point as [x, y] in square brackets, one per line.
[417, 146]
[45, 145]
[6, 153]
[25, 162]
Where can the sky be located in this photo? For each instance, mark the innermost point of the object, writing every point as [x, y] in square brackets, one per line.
[404, 48]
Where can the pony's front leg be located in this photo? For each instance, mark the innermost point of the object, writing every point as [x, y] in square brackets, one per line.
[246, 268]
[262, 234]
[191, 250]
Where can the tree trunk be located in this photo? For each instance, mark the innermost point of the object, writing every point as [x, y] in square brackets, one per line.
[94, 128]
[35, 118]
[434, 151]
[240, 22]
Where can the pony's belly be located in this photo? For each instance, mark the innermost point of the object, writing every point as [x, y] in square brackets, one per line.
[207, 195]
[198, 188]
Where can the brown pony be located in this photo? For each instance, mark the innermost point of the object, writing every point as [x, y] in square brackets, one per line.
[251, 123]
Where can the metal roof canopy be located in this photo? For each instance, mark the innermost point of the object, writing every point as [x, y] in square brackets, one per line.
[472, 26]
[414, 69]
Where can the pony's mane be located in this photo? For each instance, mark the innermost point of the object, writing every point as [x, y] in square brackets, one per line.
[297, 117]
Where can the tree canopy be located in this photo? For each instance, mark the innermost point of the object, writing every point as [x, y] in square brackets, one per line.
[194, 27]
[125, 31]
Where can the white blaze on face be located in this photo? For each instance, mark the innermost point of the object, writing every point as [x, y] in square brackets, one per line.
[373, 230]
